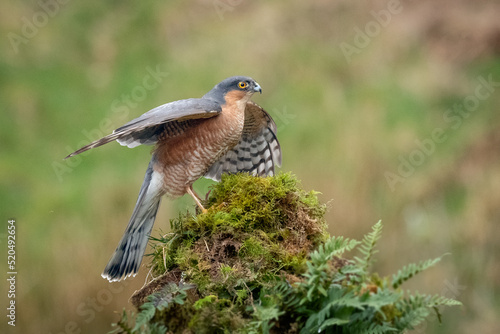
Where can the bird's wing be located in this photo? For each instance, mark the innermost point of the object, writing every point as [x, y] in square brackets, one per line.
[144, 130]
[258, 150]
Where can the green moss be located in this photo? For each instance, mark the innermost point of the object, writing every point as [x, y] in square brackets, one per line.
[254, 226]
[253, 247]
[203, 302]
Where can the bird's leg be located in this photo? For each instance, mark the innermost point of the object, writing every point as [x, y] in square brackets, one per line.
[196, 198]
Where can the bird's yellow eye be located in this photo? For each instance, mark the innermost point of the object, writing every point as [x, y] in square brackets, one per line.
[242, 84]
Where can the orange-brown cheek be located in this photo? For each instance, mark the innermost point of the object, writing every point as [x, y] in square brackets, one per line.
[234, 96]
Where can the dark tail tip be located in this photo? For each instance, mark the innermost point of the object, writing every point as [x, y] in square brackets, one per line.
[118, 268]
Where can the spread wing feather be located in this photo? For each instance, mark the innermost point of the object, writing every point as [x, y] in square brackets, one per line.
[258, 150]
[145, 129]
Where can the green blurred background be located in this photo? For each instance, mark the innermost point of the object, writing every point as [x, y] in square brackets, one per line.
[381, 106]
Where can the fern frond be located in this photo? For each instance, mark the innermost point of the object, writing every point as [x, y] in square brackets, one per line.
[412, 318]
[264, 317]
[335, 246]
[411, 270]
[157, 329]
[341, 307]
[335, 310]
[437, 300]
[367, 248]
[159, 301]
[123, 326]
[417, 307]
[367, 327]
[414, 311]
[147, 313]
[383, 297]
[319, 270]
[332, 322]
[348, 274]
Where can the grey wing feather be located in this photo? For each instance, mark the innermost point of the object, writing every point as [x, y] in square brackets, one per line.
[145, 129]
[258, 150]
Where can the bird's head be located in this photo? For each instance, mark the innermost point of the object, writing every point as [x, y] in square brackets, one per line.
[238, 87]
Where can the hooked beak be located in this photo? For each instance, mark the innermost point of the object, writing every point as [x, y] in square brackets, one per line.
[257, 88]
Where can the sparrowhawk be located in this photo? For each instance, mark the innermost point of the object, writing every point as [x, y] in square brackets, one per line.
[222, 132]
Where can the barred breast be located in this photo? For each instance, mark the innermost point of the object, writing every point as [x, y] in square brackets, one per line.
[187, 149]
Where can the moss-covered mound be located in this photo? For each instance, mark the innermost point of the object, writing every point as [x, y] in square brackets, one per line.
[255, 227]
[260, 261]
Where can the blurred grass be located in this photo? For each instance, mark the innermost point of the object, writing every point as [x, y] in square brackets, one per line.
[341, 125]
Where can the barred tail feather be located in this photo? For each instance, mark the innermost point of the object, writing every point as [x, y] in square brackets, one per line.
[127, 257]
